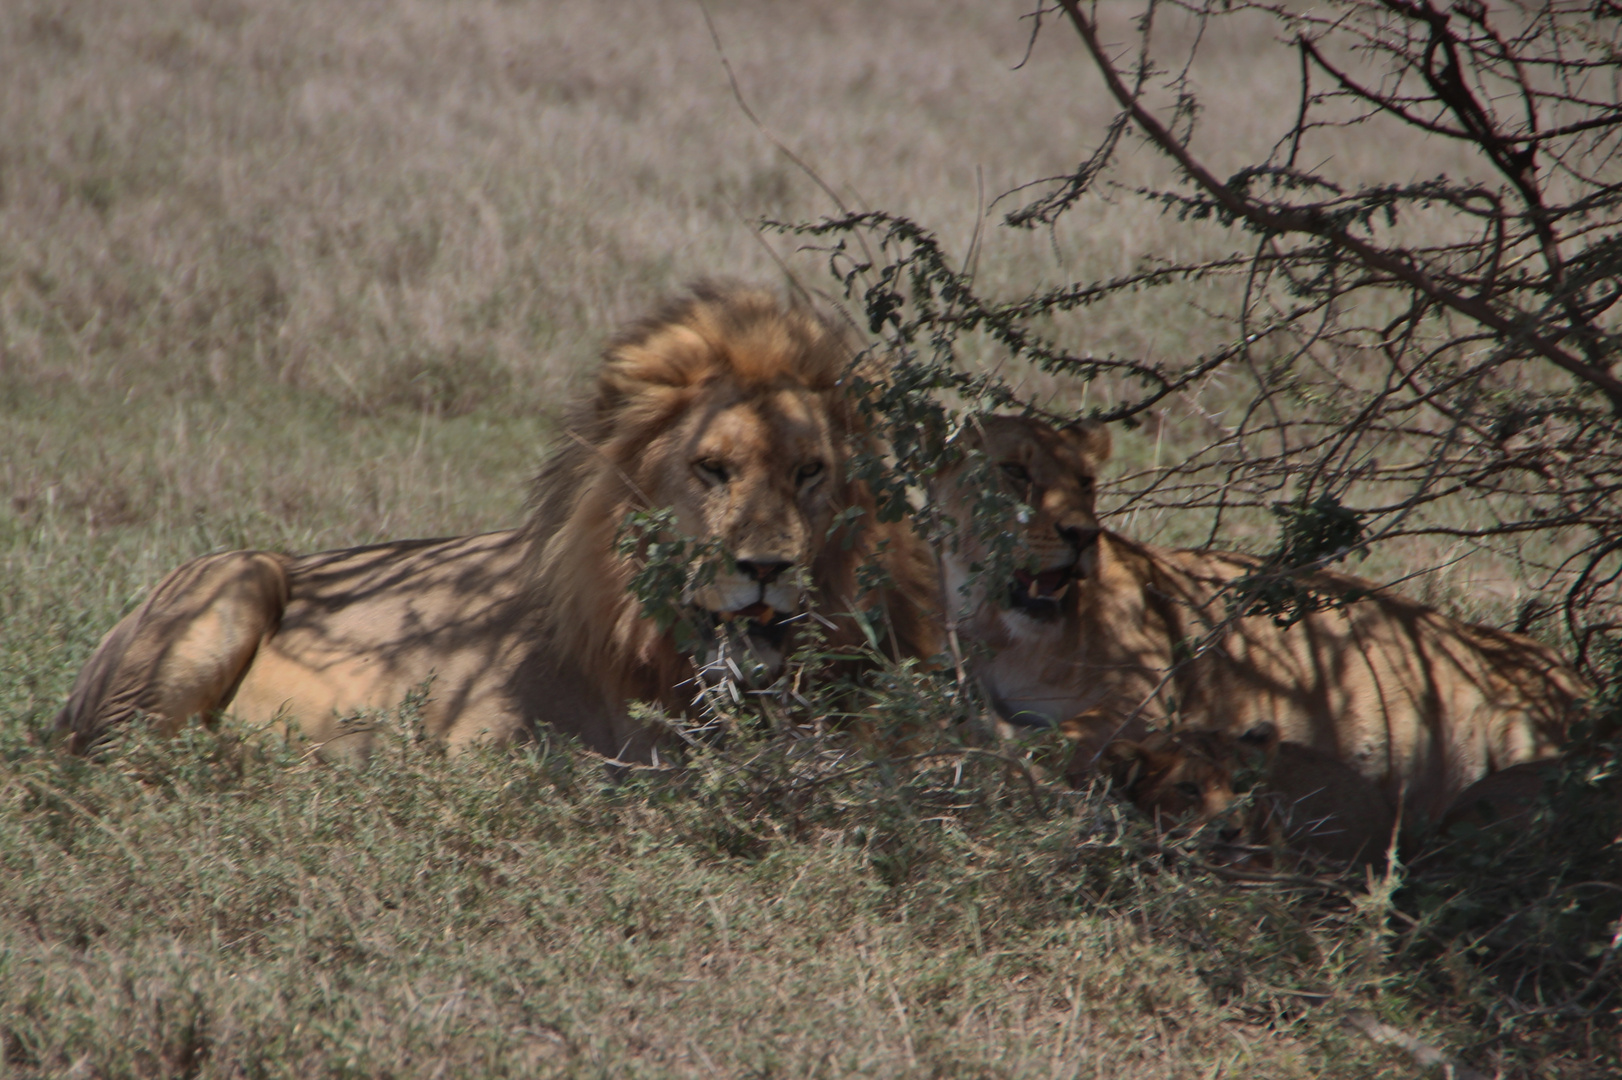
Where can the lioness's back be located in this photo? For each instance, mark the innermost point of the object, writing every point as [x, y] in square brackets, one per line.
[1420, 702]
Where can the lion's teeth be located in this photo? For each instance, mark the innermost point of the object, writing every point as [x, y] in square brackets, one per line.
[1059, 593]
[1033, 590]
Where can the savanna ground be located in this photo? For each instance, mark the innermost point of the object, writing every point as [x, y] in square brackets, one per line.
[301, 275]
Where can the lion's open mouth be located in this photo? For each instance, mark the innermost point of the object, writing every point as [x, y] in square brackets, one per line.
[1041, 594]
[746, 648]
[761, 621]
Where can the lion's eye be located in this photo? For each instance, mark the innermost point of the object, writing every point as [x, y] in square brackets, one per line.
[809, 471]
[1189, 788]
[1015, 472]
[712, 471]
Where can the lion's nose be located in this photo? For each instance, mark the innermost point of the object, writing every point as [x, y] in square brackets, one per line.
[1080, 537]
[764, 571]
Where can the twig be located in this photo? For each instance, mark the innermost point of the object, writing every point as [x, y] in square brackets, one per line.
[1312, 222]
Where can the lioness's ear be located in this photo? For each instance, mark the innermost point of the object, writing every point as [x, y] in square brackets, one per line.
[1090, 437]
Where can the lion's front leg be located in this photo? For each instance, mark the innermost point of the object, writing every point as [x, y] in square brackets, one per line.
[182, 652]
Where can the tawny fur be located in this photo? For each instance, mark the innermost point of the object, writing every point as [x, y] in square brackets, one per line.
[509, 630]
[1417, 703]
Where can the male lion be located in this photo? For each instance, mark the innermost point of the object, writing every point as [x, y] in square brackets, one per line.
[727, 406]
[1117, 637]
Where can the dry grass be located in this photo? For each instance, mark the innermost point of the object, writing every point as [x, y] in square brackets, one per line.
[195, 909]
[297, 275]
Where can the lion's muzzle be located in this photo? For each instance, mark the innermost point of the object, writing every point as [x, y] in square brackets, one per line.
[756, 589]
[749, 614]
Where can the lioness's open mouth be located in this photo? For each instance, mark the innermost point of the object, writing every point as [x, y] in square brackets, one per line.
[1041, 594]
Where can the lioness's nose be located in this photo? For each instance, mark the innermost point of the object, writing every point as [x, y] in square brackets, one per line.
[764, 571]
[1081, 537]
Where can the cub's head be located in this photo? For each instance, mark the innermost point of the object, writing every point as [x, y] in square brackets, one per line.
[1299, 799]
[1052, 473]
[728, 408]
[1186, 777]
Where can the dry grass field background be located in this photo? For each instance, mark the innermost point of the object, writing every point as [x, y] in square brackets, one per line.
[301, 276]
[298, 275]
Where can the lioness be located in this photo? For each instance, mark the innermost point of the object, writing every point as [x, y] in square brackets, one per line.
[1118, 637]
[728, 406]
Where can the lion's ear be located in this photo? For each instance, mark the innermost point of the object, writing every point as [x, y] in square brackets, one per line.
[1090, 437]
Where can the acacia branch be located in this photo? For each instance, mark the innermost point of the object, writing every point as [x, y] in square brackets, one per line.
[1314, 223]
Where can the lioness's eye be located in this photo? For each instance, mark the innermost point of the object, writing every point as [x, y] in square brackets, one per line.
[1192, 790]
[1015, 472]
[809, 471]
[712, 471]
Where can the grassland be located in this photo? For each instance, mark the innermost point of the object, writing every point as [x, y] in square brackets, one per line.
[299, 275]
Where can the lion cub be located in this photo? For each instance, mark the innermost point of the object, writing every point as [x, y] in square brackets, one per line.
[1302, 799]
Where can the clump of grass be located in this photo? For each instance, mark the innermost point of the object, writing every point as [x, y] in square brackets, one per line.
[1522, 918]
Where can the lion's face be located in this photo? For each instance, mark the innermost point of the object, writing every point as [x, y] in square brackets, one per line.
[759, 474]
[1052, 472]
[729, 409]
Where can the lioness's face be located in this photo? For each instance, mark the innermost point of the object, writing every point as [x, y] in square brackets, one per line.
[760, 474]
[1052, 472]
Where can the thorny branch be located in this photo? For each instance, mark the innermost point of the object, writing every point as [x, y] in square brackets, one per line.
[1437, 356]
[1517, 328]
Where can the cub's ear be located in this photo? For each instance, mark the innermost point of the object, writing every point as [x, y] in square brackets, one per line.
[1261, 739]
[1090, 437]
[1160, 743]
[1122, 761]
[1264, 734]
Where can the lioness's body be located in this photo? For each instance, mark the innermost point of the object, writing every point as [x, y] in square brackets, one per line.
[1141, 637]
[727, 408]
